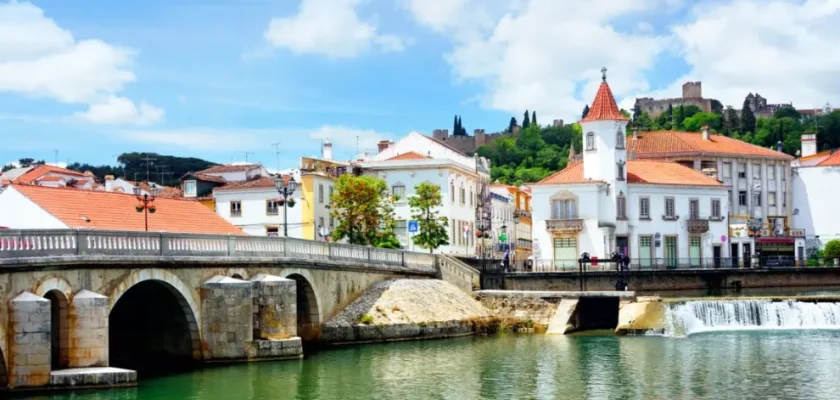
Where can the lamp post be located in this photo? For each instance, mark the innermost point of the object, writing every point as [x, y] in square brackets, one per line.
[286, 186]
[147, 201]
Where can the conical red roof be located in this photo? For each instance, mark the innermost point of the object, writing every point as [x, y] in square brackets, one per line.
[604, 106]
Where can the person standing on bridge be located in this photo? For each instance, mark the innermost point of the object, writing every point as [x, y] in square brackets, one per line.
[506, 261]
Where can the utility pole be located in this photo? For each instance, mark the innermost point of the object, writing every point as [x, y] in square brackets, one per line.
[277, 154]
[247, 153]
[148, 161]
[55, 159]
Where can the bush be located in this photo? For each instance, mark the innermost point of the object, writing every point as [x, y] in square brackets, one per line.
[366, 319]
[832, 250]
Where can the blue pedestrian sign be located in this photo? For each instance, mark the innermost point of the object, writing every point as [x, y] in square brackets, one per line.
[413, 226]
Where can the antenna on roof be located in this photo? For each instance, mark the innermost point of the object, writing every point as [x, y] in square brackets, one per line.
[55, 159]
[247, 153]
[277, 154]
[148, 161]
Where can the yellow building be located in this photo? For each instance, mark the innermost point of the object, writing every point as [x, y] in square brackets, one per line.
[317, 183]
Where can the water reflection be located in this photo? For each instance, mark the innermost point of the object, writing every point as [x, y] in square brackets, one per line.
[743, 365]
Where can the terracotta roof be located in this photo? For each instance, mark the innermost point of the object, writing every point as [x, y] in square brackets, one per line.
[205, 177]
[411, 155]
[264, 182]
[638, 171]
[41, 170]
[219, 169]
[165, 191]
[832, 161]
[821, 154]
[52, 178]
[604, 107]
[116, 211]
[676, 143]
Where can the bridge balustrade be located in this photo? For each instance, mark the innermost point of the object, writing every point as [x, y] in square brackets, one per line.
[58, 243]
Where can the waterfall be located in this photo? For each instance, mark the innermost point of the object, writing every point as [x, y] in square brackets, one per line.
[683, 319]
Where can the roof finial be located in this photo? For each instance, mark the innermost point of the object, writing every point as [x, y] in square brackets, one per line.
[604, 74]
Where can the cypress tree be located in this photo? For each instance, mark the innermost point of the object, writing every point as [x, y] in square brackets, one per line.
[585, 111]
[747, 118]
[512, 124]
[526, 121]
[534, 118]
[455, 126]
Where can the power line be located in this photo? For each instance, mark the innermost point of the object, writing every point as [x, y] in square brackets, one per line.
[277, 154]
[148, 161]
[247, 153]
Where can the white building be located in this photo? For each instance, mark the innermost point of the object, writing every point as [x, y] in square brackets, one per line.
[658, 213]
[503, 206]
[418, 158]
[816, 188]
[253, 206]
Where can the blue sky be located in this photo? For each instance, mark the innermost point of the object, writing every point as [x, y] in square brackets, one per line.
[217, 78]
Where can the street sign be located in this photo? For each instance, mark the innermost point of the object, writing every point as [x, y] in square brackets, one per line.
[413, 226]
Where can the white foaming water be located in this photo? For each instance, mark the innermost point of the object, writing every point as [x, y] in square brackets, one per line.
[692, 317]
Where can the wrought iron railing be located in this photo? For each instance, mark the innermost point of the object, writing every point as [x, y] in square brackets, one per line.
[57, 243]
[697, 225]
[660, 263]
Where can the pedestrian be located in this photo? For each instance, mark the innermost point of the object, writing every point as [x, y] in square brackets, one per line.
[506, 261]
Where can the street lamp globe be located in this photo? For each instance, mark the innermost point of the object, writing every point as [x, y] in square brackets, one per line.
[138, 191]
[154, 190]
[292, 185]
[278, 183]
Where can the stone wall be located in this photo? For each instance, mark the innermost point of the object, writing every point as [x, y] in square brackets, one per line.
[456, 272]
[29, 361]
[89, 334]
[540, 310]
[227, 309]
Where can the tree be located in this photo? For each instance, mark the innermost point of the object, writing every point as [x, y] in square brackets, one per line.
[585, 111]
[456, 126]
[637, 113]
[832, 249]
[512, 124]
[678, 117]
[360, 204]
[7, 167]
[26, 162]
[787, 111]
[534, 118]
[717, 107]
[747, 118]
[731, 122]
[526, 121]
[696, 122]
[433, 231]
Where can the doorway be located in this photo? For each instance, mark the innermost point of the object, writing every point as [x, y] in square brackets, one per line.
[716, 256]
[622, 245]
[747, 255]
[733, 254]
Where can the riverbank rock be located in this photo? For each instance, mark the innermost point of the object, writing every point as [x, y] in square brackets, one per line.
[405, 309]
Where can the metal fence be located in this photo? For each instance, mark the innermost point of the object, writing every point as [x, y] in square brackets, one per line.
[654, 264]
[47, 243]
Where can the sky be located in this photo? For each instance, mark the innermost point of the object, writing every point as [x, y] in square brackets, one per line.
[230, 80]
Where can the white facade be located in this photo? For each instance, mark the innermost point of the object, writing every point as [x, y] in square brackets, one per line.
[19, 212]
[815, 193]
[251, 210]
[424, 145]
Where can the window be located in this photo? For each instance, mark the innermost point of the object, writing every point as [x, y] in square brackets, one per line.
[190, 189]
[331, 193]
[670, 211]
[771, 199]
[471, 197]
[784, 199]
[452, 191]
[716, 208]
[401, 231]
[235, 208]
[463, 196]
[590, 141]
[332, 222]
[693, 209]
[621, 205]
[742, 198]
[321, 193]
[756, 172]
[620, 170]
[727, 170]
[398, 191]
[729, 199]
[271, 207]
[742, 170]
[771, 172]
[320, 221]
[619, 139]
[272, 231]
[644, 208]
[757, 198]
[563, 209]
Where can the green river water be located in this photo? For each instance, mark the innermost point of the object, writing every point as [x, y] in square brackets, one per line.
[723, 365]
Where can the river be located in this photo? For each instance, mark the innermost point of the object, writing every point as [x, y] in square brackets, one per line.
[801, 364]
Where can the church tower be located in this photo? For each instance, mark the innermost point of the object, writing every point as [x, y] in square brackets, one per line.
[604, 150]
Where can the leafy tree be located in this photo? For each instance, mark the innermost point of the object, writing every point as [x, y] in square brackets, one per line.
[526, 121]
[717, 107]
[689, 111]
[534, 118]
[585, 111]
[433, 231]
[6, 168]
[678, 117]
[361, 206]
[731, 122]
[26, 162]
[832, 250]
[512, 124]
[747, 118]
[789, 112]
[696, 122]
[637, 113]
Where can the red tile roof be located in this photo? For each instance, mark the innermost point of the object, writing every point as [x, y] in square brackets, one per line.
[219, 169]
[205, 177]
[260, 183]
[604, 107]
[116, 211]
[50, 179]
[663, 144]
[165, 191]
[638, 171]
[41, 170]
[411, 155]
[832, 160]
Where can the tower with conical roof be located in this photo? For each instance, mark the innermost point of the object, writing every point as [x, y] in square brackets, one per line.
[604, 147]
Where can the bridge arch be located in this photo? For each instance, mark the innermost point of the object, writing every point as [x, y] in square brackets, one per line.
[59, 293]
[309, 313]
[238, 273]
[153, 315]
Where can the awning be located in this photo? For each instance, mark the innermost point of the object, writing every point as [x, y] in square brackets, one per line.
[775, 240]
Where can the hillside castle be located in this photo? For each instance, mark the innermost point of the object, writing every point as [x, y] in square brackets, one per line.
[692, 95]
[468, 144]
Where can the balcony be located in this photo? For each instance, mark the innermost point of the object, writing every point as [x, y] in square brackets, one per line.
[697, 225]
[564, 225]
[797, 232]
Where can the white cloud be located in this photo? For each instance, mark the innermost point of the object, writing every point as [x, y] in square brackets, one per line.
[786, 51]
[39, 58]
[331, 28]
[536, 56]
[347, 138]
[120, 110]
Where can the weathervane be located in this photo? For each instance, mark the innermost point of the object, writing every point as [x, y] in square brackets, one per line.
[604, 74]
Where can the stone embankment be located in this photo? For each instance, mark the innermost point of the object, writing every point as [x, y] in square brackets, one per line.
[405, 309]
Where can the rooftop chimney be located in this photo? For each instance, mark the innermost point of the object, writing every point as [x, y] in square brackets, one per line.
[705, 129]
[109, 183]
[326, 150]
[635, 132]
[383, 145]
[809, 144]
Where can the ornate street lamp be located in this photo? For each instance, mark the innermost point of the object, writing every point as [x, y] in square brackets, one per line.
[324, 232]
[286, 186]
[147, 201]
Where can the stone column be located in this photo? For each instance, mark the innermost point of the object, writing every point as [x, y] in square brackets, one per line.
[89, 333]
[29, 341]
[275, 301]
[227, 318]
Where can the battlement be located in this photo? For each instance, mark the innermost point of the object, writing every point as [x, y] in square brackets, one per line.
[692, 90]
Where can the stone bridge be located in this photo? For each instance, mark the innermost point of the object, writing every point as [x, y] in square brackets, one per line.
[73, 300]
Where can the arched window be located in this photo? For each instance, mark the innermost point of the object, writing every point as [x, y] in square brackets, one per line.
[590, 141]
[620, 170]
[621, 206]
[619, 139]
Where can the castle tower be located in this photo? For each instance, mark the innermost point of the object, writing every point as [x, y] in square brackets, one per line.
[604, 146]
